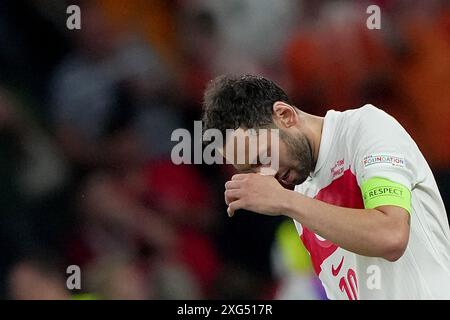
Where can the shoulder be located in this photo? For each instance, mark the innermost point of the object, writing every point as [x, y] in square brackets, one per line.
[367, 114]
[370, 122]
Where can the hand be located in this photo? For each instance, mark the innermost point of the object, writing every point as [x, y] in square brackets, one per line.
[254, 192]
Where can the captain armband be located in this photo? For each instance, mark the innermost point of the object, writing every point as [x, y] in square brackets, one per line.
[383, 192]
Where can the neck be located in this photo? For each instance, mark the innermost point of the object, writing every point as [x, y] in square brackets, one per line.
[313, 130]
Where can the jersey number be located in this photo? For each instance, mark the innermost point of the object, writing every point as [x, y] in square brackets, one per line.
[349, 285]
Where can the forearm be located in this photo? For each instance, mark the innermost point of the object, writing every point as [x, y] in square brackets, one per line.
[381, 232]
[367, 232]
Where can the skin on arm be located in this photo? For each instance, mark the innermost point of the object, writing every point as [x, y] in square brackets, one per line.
[380, 232]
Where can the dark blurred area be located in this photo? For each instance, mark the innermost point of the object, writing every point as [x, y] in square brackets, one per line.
[86, 118]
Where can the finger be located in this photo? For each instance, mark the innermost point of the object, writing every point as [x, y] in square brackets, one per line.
[235, 184]
[233, 206]
[239, 176]
[232, 195]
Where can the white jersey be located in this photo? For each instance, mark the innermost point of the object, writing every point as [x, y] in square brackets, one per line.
[357, 145]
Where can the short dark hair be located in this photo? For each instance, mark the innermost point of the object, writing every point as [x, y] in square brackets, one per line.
[234, 102]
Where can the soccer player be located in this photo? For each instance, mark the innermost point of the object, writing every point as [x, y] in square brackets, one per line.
[365, 202]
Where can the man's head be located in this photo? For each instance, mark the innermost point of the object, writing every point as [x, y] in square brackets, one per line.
[252, 102]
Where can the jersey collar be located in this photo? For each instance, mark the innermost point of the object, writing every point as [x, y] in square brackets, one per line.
[326, 140]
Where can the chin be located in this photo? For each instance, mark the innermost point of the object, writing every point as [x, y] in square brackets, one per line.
[299, 181]
[286, 186]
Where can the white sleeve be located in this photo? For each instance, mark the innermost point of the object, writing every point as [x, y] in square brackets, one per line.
[383, 148]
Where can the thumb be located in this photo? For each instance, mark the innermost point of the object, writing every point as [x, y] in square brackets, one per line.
[230, 212]
[233, 206]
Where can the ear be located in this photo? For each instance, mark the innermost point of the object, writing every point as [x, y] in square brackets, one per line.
[284, 114]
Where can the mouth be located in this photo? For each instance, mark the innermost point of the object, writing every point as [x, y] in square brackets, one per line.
[284, 178]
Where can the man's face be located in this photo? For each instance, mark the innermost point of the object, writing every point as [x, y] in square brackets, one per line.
[294, 161]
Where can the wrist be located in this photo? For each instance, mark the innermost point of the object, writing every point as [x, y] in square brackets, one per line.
[286, 203]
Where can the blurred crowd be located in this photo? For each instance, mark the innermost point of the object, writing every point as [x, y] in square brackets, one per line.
[86, 118]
